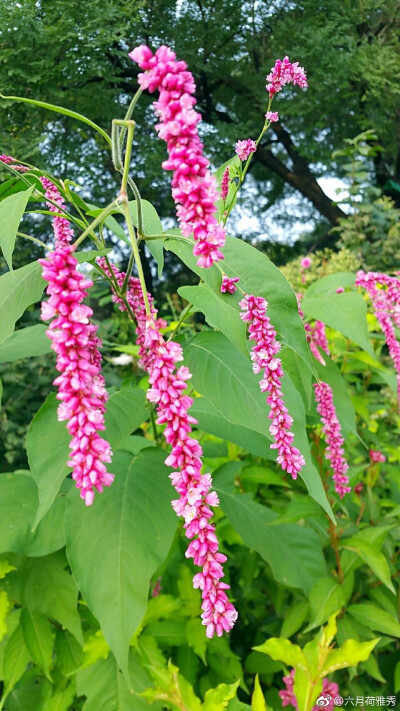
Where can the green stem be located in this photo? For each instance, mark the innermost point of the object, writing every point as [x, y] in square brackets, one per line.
[138, 198]
[104, 213]
[35, 239]
[128, 115]
[153, 425]
[130, 126]
[127, 274]
[136, 255]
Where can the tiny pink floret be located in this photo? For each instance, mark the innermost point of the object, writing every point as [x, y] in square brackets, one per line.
[334, 439]
[245, 148]
[272, 116]
[264, 359]
[228, 286]
[194, 189]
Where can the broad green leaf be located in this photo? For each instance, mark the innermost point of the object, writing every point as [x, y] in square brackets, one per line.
[106, 689]
[257, 699]
[220, 311]
[5, 607]
[346, 313]
[326, 597]
[372, 668]
[293, 552]
[224, 376]
[12, 209]
[329, 284]
[372, 556]
[42, 585]
[25, 343]
[30, 693]
[212, 421]
[376, 619]
[48, 439]
[16, 658]
[350, 654]
[39, 639]
[61, 699]
[285, 651]
[18, 290]
[295, 618]
[18, 506]
[260, 277]
[299, 373]
[217, 699]
[137, 526]
[196, 638]
[299, 508]
[68, 652]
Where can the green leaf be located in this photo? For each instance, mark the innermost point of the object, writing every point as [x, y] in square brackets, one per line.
[260, 277]
[293, 552]
[29, 693]
[326, 597]
[224, 376]
[48, 439]
[12, 209]
[42, 585]
[16, 658]
[397, 678]
[61, 699]
[5, 607]
[18, 290]
[137, 526]
[106, 689]
[294, 619]
[350, 654]
[221, 313]
[375, 618]
[5, 568]
[212, 421]
[372, 556]
[218, 698]
[25, 343]
[39, 639]
[300, 507]
[152, 226]
[196, 638]
[18, 506]
[257, 700]
[68, 652]
[346, 313]
[284, 651]
[327, 285]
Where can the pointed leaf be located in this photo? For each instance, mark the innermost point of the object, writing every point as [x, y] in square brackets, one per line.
[25, 343]
[346, 313]
[372, 556]
[39, 639]
[12, 209]
[257, 700]
[349, 655]
[217, 699]
[375, 618]
[18, 290]
[284, 651]
[16, 658]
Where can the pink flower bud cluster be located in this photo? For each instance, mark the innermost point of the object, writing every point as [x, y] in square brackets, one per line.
[285, 72]
[228, 285]
[194, 189]
[376, 456]
[80, 385]
[384, 292]
[264, 359]
[245, 148]
[8, 160]
[225, 184]
[272, 116]
[334, 439]
[62, 230]
[168, 383]
[316, 336]
[329, 688]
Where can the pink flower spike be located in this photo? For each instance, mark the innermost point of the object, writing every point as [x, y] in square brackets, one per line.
[376, 456]
[264, 359]
[305, 263]
[245, 148]
[340, 290]
[8, 160]
[194, 189]
[272, 116]
[285, 72]
[228, 285]
[333, 435]
[225, 184]
[62, 230]
[167, 386]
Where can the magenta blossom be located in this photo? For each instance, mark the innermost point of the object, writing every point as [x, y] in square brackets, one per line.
[285, 72]
[264, 359]
[272, 116]
[305, 263]
[333, 435]
[225, 184]
[194, 189]
[228, 285]
[316, 336]
[376, 456]
[245, 148]
[8, 160]
[340, 290]
[62, 230]
[329, 688]
[168, 383]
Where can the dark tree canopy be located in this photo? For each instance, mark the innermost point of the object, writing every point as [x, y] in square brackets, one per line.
[75, 54]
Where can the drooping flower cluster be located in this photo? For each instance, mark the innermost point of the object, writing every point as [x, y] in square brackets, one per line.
[316, 335]
[384, 292]
[285, 72]
[329, 688]
[168, 383]
[194, 189]
[264, 359]
[228, 285]
[333, 435]
[80, 384]
[62, 230]
[245, 148]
